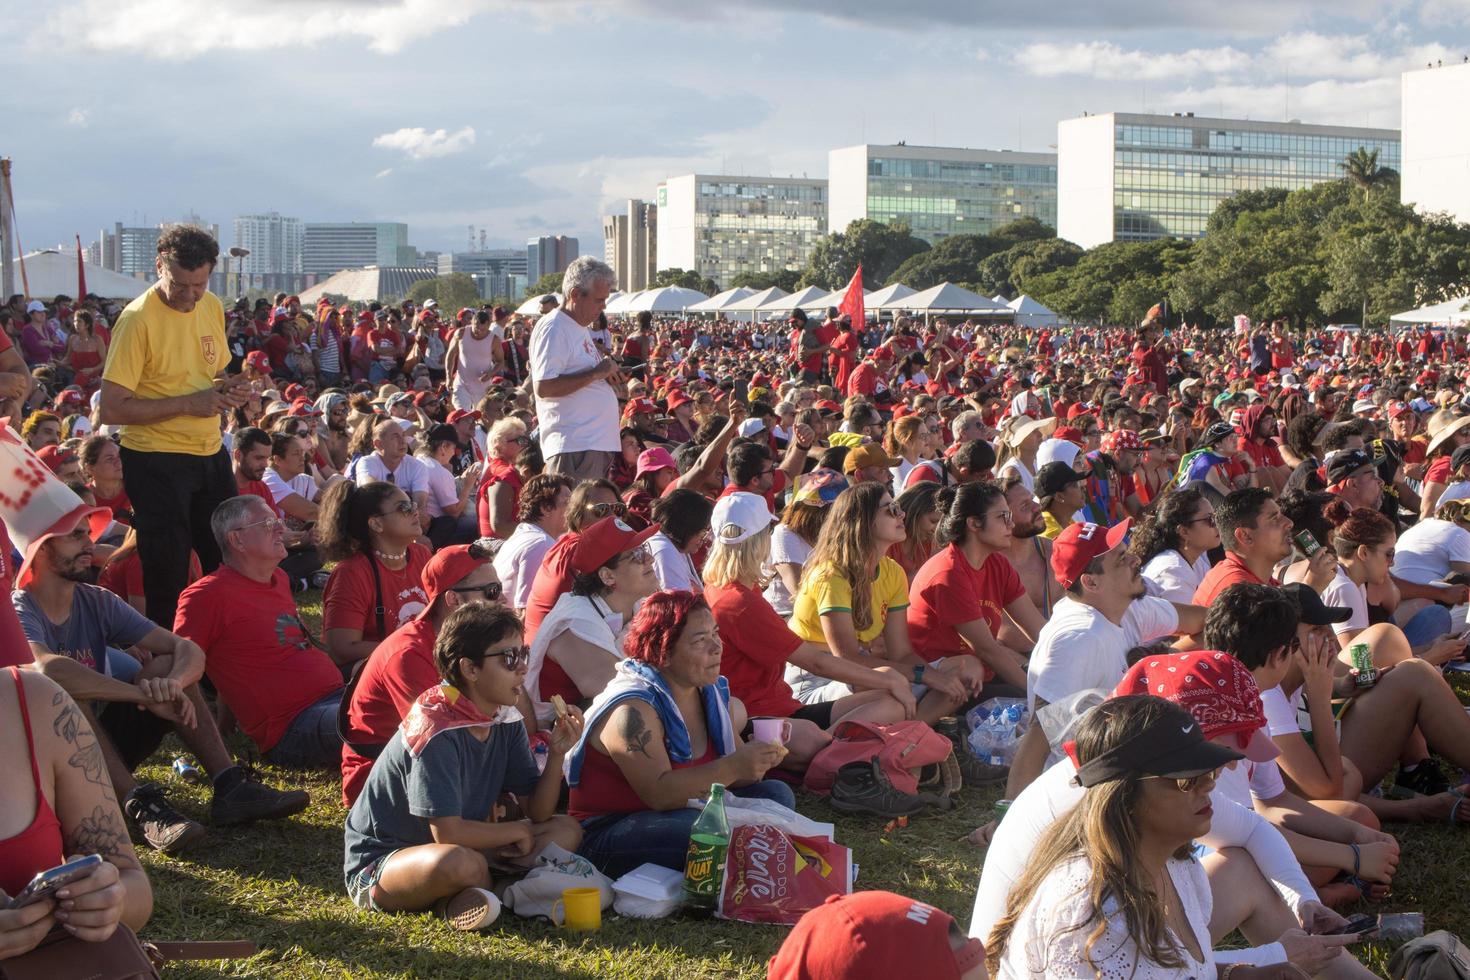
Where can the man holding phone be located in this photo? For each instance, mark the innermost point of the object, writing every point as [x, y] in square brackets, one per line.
[577, 389]
[164, 384]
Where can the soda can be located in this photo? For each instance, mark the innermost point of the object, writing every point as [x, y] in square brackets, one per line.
[186, 770]
[1002, 807]
[1363, 662]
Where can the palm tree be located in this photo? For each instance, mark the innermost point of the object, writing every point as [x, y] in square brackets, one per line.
[1361, 169]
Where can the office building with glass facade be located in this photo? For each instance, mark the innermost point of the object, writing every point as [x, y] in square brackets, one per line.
[721, 227]
[1134, 177]
[939, 190]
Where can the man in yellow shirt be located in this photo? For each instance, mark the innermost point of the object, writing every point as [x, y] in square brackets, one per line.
[163, 385]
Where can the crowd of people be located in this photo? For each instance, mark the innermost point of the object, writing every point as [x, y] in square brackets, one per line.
[566, 564]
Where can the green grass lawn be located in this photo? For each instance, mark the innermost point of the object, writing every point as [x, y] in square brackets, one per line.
[280, 885]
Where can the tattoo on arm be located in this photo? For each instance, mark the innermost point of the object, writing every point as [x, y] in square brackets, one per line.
[101, 833]
[635, 733]
[85, 753]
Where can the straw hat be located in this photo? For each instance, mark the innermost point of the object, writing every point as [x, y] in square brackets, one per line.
[1445, 432]
[1019, 428]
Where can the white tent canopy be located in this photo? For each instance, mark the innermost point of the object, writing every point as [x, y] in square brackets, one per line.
[752, 303]
[50, 273]
[617, 303]
[949, 298]
[532, 305]
[1030, 313]
[1450, 311]
[720, 301]
[887, 298]
[665, 299]
[796, 300]
[833, 298]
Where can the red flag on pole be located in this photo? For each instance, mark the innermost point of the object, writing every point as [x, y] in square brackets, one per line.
[852, 303]
[81, 272]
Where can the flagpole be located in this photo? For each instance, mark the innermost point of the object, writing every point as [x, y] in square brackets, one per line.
[7, 248]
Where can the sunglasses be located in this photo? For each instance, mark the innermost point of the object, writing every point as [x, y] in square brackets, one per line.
[490, 591]
[640, 555]
[893, 510]
[603, 510]
[1189, 784]
[402, 507]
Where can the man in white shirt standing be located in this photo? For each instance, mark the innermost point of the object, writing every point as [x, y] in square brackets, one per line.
[576, 387]
[473, 358]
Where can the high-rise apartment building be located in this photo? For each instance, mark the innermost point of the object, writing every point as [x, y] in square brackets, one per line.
[630, 245]
[940, 190]
[498, 272]
[723, 226]
[130, 250]
[331, 246]
[1436, 154]
[274, 242]
[1134, 177]
[549, 255]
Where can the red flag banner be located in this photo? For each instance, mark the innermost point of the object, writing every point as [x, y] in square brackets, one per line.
[852, 303]
[81, 272]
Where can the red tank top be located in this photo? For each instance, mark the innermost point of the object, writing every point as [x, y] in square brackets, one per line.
[603, 789]
[38, 847]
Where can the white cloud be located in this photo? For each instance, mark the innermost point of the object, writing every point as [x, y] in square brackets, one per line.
[79, 117]
[382, 173]
[420, 144]
[1106, 60]
[175, 29]
[1372, 102]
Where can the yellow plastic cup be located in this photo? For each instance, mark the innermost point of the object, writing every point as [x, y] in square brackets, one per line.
[581, 909]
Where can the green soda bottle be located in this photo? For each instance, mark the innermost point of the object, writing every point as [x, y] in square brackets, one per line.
[709, 840]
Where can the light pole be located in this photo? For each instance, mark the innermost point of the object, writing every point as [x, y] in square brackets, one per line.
[238, 253]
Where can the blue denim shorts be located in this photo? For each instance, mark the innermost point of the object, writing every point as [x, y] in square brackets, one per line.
[362, 886]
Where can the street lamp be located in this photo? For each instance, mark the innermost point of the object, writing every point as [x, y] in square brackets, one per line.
[236, 252]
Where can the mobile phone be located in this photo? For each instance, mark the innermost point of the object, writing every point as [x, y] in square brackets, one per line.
[46, 883]
[1308, 543]
[1363, 924]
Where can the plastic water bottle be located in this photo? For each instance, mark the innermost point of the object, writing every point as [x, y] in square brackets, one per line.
[709, 842]
[187, 771]
[997, 726]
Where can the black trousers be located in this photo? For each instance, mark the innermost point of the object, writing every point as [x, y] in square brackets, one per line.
[173, 496]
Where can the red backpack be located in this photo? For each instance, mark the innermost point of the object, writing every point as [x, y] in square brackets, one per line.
[901, 749]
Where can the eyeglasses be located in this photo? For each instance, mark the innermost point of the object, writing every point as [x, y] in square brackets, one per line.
[893, 510]
[640, 555]
[1189, 784]
[520, 440]
[1004, 516]
[515, 657]
[271, 524]
[603, 510]
[1207, 519]
[402, 507]
[490, 591]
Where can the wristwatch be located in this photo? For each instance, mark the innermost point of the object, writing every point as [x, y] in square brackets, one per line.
[918, 673]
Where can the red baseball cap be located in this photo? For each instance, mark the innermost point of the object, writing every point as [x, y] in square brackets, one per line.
[604, 540]
[641, 406]
[678, 397]
[447, 568]
[460, 413]
[1214, 687]
[1079, 544]
[1069, 433]
[301, 408]
[259, 360]
[1077, 411]
[55, 457]
[293, 391]
[874, 934]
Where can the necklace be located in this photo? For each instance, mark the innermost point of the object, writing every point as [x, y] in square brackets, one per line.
[387, 557]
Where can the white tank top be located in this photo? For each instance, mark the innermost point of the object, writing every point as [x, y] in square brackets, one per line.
[474, 355]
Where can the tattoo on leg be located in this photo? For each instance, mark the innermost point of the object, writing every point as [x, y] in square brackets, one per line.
[636, 734]
[101, 833]
[86, 754]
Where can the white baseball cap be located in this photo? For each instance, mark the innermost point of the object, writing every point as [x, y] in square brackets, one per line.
[740, 516]
[35, 306]
[750, 427]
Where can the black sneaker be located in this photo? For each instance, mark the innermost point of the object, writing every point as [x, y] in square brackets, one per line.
[861, 787]
[245, 799]
[164, 828]
[1426, 779]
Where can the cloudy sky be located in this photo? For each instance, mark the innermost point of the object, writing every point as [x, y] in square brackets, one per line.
[530, 117]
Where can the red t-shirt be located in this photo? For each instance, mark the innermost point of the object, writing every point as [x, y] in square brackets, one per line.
[1439, 470]
[277, 346]
[348, 602]
[122, 507]
[844, 356]
[757, 643]
[948, 591]
[256, 650]
[862, 381]
[1230, 571]
[399, 670]
[496, 471]
[553, 578]
[15, 649]
[1262, 453]
[604, 789]
[124, 579]
[259, 489]
[778, 484]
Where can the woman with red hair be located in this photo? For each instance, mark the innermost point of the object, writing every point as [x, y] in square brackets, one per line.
[659, 734]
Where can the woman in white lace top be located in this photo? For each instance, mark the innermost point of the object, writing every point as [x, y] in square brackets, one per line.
[1113, 891]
